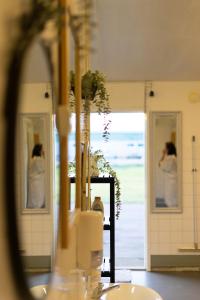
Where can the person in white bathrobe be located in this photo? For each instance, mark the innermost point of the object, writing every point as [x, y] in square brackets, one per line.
[36, 179]
[168, 164]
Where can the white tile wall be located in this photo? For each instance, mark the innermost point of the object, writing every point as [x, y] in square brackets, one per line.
[37, 234]
[36, 229]
[169, 232]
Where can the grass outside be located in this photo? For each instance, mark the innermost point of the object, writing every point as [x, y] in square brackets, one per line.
[132, 183]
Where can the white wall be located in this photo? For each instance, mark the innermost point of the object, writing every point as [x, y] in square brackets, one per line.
[167, 232]
[126, 96]
[37, 229]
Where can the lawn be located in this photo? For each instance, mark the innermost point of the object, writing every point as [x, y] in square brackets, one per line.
[132, 182]
[132, 179]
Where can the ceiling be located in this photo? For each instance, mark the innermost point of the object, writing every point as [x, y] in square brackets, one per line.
[36, 68]
[148, 39]
[138, 40]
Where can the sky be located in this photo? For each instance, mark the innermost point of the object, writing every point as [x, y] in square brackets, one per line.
[120, 122]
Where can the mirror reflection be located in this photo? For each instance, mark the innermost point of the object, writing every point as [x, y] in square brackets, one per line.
[168, 165]
[37, 204]
[34, 161]
[166, 161]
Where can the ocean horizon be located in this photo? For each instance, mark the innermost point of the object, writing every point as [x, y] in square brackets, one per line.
[115, 136]
[122, 148]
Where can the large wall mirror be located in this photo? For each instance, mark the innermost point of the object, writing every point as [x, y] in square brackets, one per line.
[34, 149]
[32, 180]
[29, 106]
[34, 175]
[165, 151]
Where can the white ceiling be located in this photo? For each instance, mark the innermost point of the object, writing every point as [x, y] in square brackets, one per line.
[140, 40]
[148, 39]
[36, 68]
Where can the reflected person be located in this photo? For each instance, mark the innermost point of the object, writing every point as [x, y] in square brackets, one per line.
[168, 164]
[36, 178]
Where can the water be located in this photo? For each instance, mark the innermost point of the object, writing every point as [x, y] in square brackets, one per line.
[123, 148]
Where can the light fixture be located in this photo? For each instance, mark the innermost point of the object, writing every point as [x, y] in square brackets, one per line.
[151, 93]
[148, 92]
[46, 95]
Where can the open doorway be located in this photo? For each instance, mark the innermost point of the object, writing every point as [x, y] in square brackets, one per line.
[125, 151]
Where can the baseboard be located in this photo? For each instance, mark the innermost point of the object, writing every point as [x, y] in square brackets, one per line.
[175, 262]
[176, 269]
[37, 263]
[131, 268]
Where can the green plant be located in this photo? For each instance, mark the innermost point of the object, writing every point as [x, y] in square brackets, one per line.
[93, 93]
[34, 20]
[104, 168]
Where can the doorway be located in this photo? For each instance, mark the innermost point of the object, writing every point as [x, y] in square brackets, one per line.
[125, 152]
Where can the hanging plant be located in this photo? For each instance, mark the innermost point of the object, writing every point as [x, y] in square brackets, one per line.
[104, 168]
[93, 93]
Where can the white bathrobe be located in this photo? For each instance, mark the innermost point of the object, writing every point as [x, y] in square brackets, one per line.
[169, 167]
[36, 183]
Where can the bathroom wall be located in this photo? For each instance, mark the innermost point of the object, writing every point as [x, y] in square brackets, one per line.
[168, 231]
[37, 229]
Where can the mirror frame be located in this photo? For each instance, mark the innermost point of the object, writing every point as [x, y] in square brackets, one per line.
[31, 23]
[23, 165]
[154, 160]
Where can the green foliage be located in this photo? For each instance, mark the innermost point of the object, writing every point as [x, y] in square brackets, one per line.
[72, 167]
[93, 92]
[104, 168]
[34, 20]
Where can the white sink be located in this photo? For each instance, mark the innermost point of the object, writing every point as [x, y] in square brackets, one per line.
[128, 291]
[39, 291]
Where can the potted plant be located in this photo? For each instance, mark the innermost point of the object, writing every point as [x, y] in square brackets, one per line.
[93, 93]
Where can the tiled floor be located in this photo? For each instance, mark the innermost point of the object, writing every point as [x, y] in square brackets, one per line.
[129, 236]
[170, 285]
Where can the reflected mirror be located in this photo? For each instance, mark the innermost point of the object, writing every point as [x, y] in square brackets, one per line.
[166, 162]
[37, 215]
[31, 158]
[34, 162]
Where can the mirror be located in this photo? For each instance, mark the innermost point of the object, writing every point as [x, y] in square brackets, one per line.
[166, 162]
[28, 114]
[32, 227]
[35, 168]
[34, 162]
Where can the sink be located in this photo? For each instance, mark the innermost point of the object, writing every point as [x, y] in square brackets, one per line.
[39, 291]
[128, 291]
